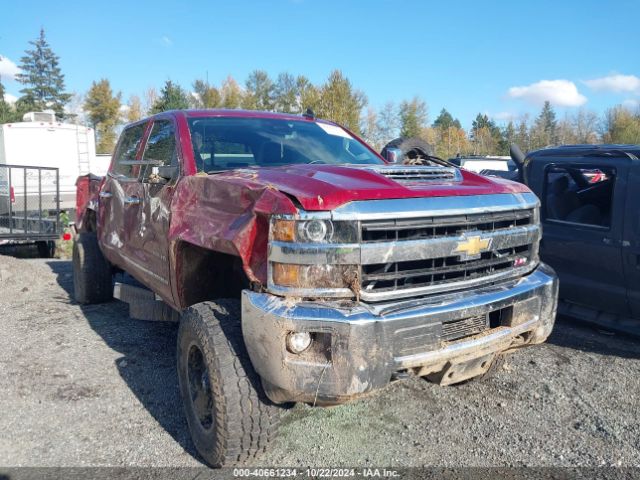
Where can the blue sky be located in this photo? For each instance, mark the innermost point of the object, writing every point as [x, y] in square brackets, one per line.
[467, 56]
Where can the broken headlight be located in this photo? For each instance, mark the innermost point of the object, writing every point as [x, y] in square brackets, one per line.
[313, 257]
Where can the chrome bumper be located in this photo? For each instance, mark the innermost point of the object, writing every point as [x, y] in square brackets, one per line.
[358, 347]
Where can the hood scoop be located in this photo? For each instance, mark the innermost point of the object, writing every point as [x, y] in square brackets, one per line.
[418, 174]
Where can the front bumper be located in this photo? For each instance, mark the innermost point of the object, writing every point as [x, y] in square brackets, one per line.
[359, 347]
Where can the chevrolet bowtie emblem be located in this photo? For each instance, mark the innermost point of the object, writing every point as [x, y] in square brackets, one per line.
[472, 247]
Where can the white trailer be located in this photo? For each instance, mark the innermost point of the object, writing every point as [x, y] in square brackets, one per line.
[42, 141]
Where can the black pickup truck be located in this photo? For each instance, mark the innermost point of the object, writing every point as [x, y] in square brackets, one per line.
[591, 222]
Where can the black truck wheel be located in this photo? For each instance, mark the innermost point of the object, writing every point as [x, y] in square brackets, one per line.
[413, 149]
[92, 276]
[229, 416]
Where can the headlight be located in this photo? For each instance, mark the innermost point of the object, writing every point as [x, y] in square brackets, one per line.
[313, 231]
[316, 231]
[314, 257]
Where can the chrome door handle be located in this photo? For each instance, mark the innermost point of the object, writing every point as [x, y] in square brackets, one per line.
[105, 194]
[131, 200]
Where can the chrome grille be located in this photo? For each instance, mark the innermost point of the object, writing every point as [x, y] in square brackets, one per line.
[435, 265]
[434, 227]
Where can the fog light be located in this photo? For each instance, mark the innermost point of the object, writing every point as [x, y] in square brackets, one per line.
[298, 342]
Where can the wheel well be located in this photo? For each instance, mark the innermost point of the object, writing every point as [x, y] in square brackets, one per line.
[203, 275]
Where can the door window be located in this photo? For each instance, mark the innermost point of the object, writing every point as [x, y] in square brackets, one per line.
[127, 149]
[160, 150]
[580, 195]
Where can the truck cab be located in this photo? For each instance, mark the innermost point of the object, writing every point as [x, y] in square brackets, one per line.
[303, 267]
[591, 229]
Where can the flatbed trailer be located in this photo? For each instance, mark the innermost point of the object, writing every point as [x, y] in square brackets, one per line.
[30, 206]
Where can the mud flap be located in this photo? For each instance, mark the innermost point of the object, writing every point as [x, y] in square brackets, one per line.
[456, 372]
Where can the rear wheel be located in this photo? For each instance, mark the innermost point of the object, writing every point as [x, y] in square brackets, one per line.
[229, 416]
[92, 276]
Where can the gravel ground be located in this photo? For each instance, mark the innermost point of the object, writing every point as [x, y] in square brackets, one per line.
[89, 386]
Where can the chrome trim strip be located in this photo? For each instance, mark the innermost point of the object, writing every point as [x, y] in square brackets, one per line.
[314, 253]
[434, 206]
[445, 287]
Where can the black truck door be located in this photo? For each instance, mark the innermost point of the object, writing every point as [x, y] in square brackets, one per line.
[583, 208]
[631, 241]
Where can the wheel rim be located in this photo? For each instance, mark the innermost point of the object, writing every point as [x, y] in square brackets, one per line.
[200, 387]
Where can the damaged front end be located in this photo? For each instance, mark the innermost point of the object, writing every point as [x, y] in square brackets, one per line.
[379, 289]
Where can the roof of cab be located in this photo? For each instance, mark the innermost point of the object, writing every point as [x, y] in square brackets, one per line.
[222, 112]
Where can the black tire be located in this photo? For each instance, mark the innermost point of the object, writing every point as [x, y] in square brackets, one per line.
[229, 416]
[92, 275]
[46, 249]
[412, 148]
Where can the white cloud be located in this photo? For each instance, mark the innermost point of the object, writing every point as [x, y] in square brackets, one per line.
[561, 93]
[615, 83]
[10, 99]
[166, 41]
[8, 69]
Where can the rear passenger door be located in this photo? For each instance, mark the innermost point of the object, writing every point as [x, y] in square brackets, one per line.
[583, 230]
[120, 185]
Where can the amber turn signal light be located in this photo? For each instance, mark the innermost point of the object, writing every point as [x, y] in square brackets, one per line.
[283, 230]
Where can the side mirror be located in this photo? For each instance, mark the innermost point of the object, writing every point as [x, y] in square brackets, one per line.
[394, 155]
[165, 171]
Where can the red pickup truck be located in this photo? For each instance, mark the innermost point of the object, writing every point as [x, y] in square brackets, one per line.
[304, 267]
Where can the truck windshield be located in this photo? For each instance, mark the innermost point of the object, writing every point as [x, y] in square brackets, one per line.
[223, 143]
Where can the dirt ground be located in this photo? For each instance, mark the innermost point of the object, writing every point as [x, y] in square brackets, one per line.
[89, 386]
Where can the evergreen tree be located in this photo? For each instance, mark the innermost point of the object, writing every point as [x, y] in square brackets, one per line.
[103, 110]
[485, 135]
[413, 117]
[172, 97]
[545, 128]
[259, 91]
[42, 78]
[445, 120]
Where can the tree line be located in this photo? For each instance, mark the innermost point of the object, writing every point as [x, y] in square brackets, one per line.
[334, 99]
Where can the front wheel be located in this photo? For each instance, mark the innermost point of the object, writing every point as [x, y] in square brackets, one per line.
[229, 417]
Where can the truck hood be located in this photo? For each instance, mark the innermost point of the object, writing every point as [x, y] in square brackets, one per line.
[326, 187]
